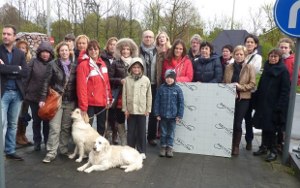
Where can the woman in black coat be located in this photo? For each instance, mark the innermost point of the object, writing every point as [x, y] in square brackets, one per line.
[271, 103]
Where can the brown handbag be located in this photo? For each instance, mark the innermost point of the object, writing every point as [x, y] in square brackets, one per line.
[52, 104]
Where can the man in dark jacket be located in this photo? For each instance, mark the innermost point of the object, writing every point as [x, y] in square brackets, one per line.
[148, 54]
[13, 69]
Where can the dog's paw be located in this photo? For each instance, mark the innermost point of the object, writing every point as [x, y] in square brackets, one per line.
[80, 169]
[71, 156]
[88, 170]
[78, 160]
[124, 166]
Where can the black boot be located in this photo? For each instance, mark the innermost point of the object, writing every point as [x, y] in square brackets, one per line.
[262, 151]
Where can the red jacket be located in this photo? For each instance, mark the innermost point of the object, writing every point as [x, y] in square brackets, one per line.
[92, 89]
[289, 63]
[183, 68]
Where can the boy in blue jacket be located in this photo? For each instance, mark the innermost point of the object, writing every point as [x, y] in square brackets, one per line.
[168, 107]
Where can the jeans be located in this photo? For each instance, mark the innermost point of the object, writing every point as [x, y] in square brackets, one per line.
[167, 127]
[11, 104]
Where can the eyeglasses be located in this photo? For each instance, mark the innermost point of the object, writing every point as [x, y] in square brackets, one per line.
[148, 37]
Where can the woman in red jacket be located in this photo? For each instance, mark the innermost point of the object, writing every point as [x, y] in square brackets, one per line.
[93, 88]
[179, 61]
[286, 45]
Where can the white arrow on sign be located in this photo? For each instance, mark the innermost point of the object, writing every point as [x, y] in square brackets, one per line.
[293, 14]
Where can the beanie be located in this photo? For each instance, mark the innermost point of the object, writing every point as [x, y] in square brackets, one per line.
[170, 74]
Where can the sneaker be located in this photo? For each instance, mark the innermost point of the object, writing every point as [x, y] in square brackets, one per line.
[169, 153]
[14, 156]
[162, 152]
[143, 156]
[48, 159]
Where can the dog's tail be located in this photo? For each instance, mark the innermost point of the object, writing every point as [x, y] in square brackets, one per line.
[137, 165]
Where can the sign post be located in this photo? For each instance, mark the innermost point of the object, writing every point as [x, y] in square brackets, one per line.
[288, 21]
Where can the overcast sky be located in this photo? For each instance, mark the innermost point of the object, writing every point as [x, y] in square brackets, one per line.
[209, 9]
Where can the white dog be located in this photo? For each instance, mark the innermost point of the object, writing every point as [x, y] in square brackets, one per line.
[105, 156]
[84, 135]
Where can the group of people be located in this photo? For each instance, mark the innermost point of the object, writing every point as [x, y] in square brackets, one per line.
[125, 84]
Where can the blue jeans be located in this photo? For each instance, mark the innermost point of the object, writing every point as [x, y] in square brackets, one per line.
[11, 104]
[167, 127]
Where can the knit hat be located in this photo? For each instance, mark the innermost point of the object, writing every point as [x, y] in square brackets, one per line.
[170, 74]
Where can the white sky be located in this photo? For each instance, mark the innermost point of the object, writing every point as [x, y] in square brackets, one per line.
[209, 9]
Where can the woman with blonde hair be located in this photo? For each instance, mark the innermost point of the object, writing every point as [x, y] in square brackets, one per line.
[81, 43]
[163, 45]
[243, 76]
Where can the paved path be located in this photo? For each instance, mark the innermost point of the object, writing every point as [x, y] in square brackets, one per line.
[182, 171]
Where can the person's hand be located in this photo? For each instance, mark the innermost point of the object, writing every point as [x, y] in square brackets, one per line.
[41, 104]
[177, 119]
[146, 113]
[158, 118]
[123, 81]
[126, 114]
[1, 62]
[85, 116]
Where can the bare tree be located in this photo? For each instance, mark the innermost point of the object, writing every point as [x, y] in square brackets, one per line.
[255, 19]
[153, 15]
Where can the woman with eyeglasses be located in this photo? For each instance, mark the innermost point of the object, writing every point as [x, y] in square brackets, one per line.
[271, 103]
[93, 87]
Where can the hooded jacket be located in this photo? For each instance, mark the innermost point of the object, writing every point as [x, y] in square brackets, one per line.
[136, 94]
[37, 71]
[208, 70]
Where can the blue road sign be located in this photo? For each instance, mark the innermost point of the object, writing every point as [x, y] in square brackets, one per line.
[287, 16]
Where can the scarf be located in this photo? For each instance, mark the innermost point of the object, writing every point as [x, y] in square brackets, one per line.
[148, 53]
[236, 72]
[126, 60]
[65, 65]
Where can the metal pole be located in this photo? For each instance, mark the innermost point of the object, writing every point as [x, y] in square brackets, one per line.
[2, 172]
[285, 155]
[48, 18]
[232, 16]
